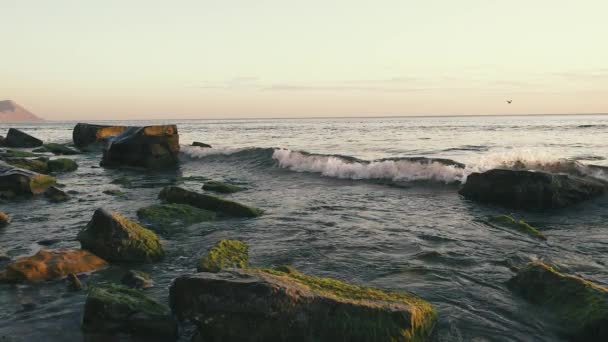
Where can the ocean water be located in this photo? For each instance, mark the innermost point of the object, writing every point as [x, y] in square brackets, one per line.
[343, 199]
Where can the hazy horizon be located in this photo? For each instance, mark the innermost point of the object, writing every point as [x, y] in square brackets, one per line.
[126, 60]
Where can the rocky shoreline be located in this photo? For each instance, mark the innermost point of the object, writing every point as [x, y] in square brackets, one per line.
[282, 304]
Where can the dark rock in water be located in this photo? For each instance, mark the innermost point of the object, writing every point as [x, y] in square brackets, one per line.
[114, 192]
[115, 238]
[200, 144]
[165, 218]
[74, 283]
[35, 165]
[137, 279]
[48, 242]
[118, 309]
[16, 154]
[19, 181]
[4, 219]
[529, 189]
[56, 195]
[284, 305]
[59, 149]
[221, 187]
[509, 221]
[84, 134]
[148, 147]
[580, 305]
[225, 254]
[124, 181]
[62, 165]
[174, 194]
[2, 141]
[17, 138]
[51, 264]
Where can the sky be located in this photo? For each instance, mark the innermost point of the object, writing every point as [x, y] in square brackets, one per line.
[146, 59]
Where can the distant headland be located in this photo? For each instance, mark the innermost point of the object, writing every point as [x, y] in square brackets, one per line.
[12, 112]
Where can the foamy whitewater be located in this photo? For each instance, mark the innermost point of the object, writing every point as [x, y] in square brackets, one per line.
[372, 201]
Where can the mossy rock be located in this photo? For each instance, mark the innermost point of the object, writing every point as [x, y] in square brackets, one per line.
[137, 280]
[56, 195]
[580, 305]
[17, 154]
[174, 194]
[114, 192]
[166, 218]
[124, 181]
[62, 165]
[225, 254]
[59, 149]
[4, 219]
[283, 305]
[17, 181]
[520, 225]
[34, 165]
[220, 187]
[116, 238]
[113, 308]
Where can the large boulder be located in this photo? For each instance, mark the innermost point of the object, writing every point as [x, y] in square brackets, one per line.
[115, 238]
[51, 264]
[112, 309]
[529, 189]
[174, 194]
[284, 305]
[147, 147]
[17, 138]
[225, 254]
[19, 181]
[580, 305]
[85, 134]
[35, 165]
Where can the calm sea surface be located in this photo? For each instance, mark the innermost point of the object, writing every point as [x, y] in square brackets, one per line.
[341, 200]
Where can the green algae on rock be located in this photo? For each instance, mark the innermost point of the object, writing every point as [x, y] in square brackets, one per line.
[221, 187]
[166, 218]
[225, 254]
[19, 181]
[115, 238]
[62, 165]
[174, 194]
[55, 148]
[34, 165]
[521, 225]
[579, 304]
[281, 304]
[17, 154]
[113, 308]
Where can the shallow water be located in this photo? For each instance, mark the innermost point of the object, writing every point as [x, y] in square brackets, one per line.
[387, 223]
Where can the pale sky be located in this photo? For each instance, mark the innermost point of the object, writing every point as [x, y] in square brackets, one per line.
[129, 59]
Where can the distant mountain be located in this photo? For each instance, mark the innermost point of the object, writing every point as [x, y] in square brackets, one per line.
[12, 112]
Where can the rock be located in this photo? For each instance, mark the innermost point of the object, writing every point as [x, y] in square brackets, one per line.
[56, 195]
[225, 254]
[200, 144]
[17, 138]
[580, 305]
[35, 165]
[115, 238]
[84, 134]
[17, 154]
[521, 225]
[51, 264]
[137, 279]
[165, 218]
[124, 181]
[48, 242]
[115, 308]
[59, 149]
[221, 187]
[74, 283]
[530, 190]
[283, 305]
[2, 141]
[174, 194]
[62, 165]
[147, 147]
[4, 219]
[114, 192]
[19, 181]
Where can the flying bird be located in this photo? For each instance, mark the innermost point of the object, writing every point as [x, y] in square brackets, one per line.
[509, 101]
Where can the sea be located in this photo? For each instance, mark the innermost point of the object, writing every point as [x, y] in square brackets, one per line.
[343, 198]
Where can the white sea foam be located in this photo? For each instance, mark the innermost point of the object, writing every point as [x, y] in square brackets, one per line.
[201, 152]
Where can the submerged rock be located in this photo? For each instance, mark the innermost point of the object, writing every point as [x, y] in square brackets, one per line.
[521, 225]
[62, 165]
[17, 154]
[4, 219]
[529, 189]
[200, 144]
[115, 238]
[283, 305]
[124, 181]
[59, 149]
[220, 187]
[580, 305]
[174, 194]
[137, 279]
[51, 264]
[225, 254]
[19, 181]
[74, 283]
[85, 134]
[17, 138]
[167, 217]
[56, 195]
[148, 147]
[114, 192]
[35, 165]
[118, 309]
